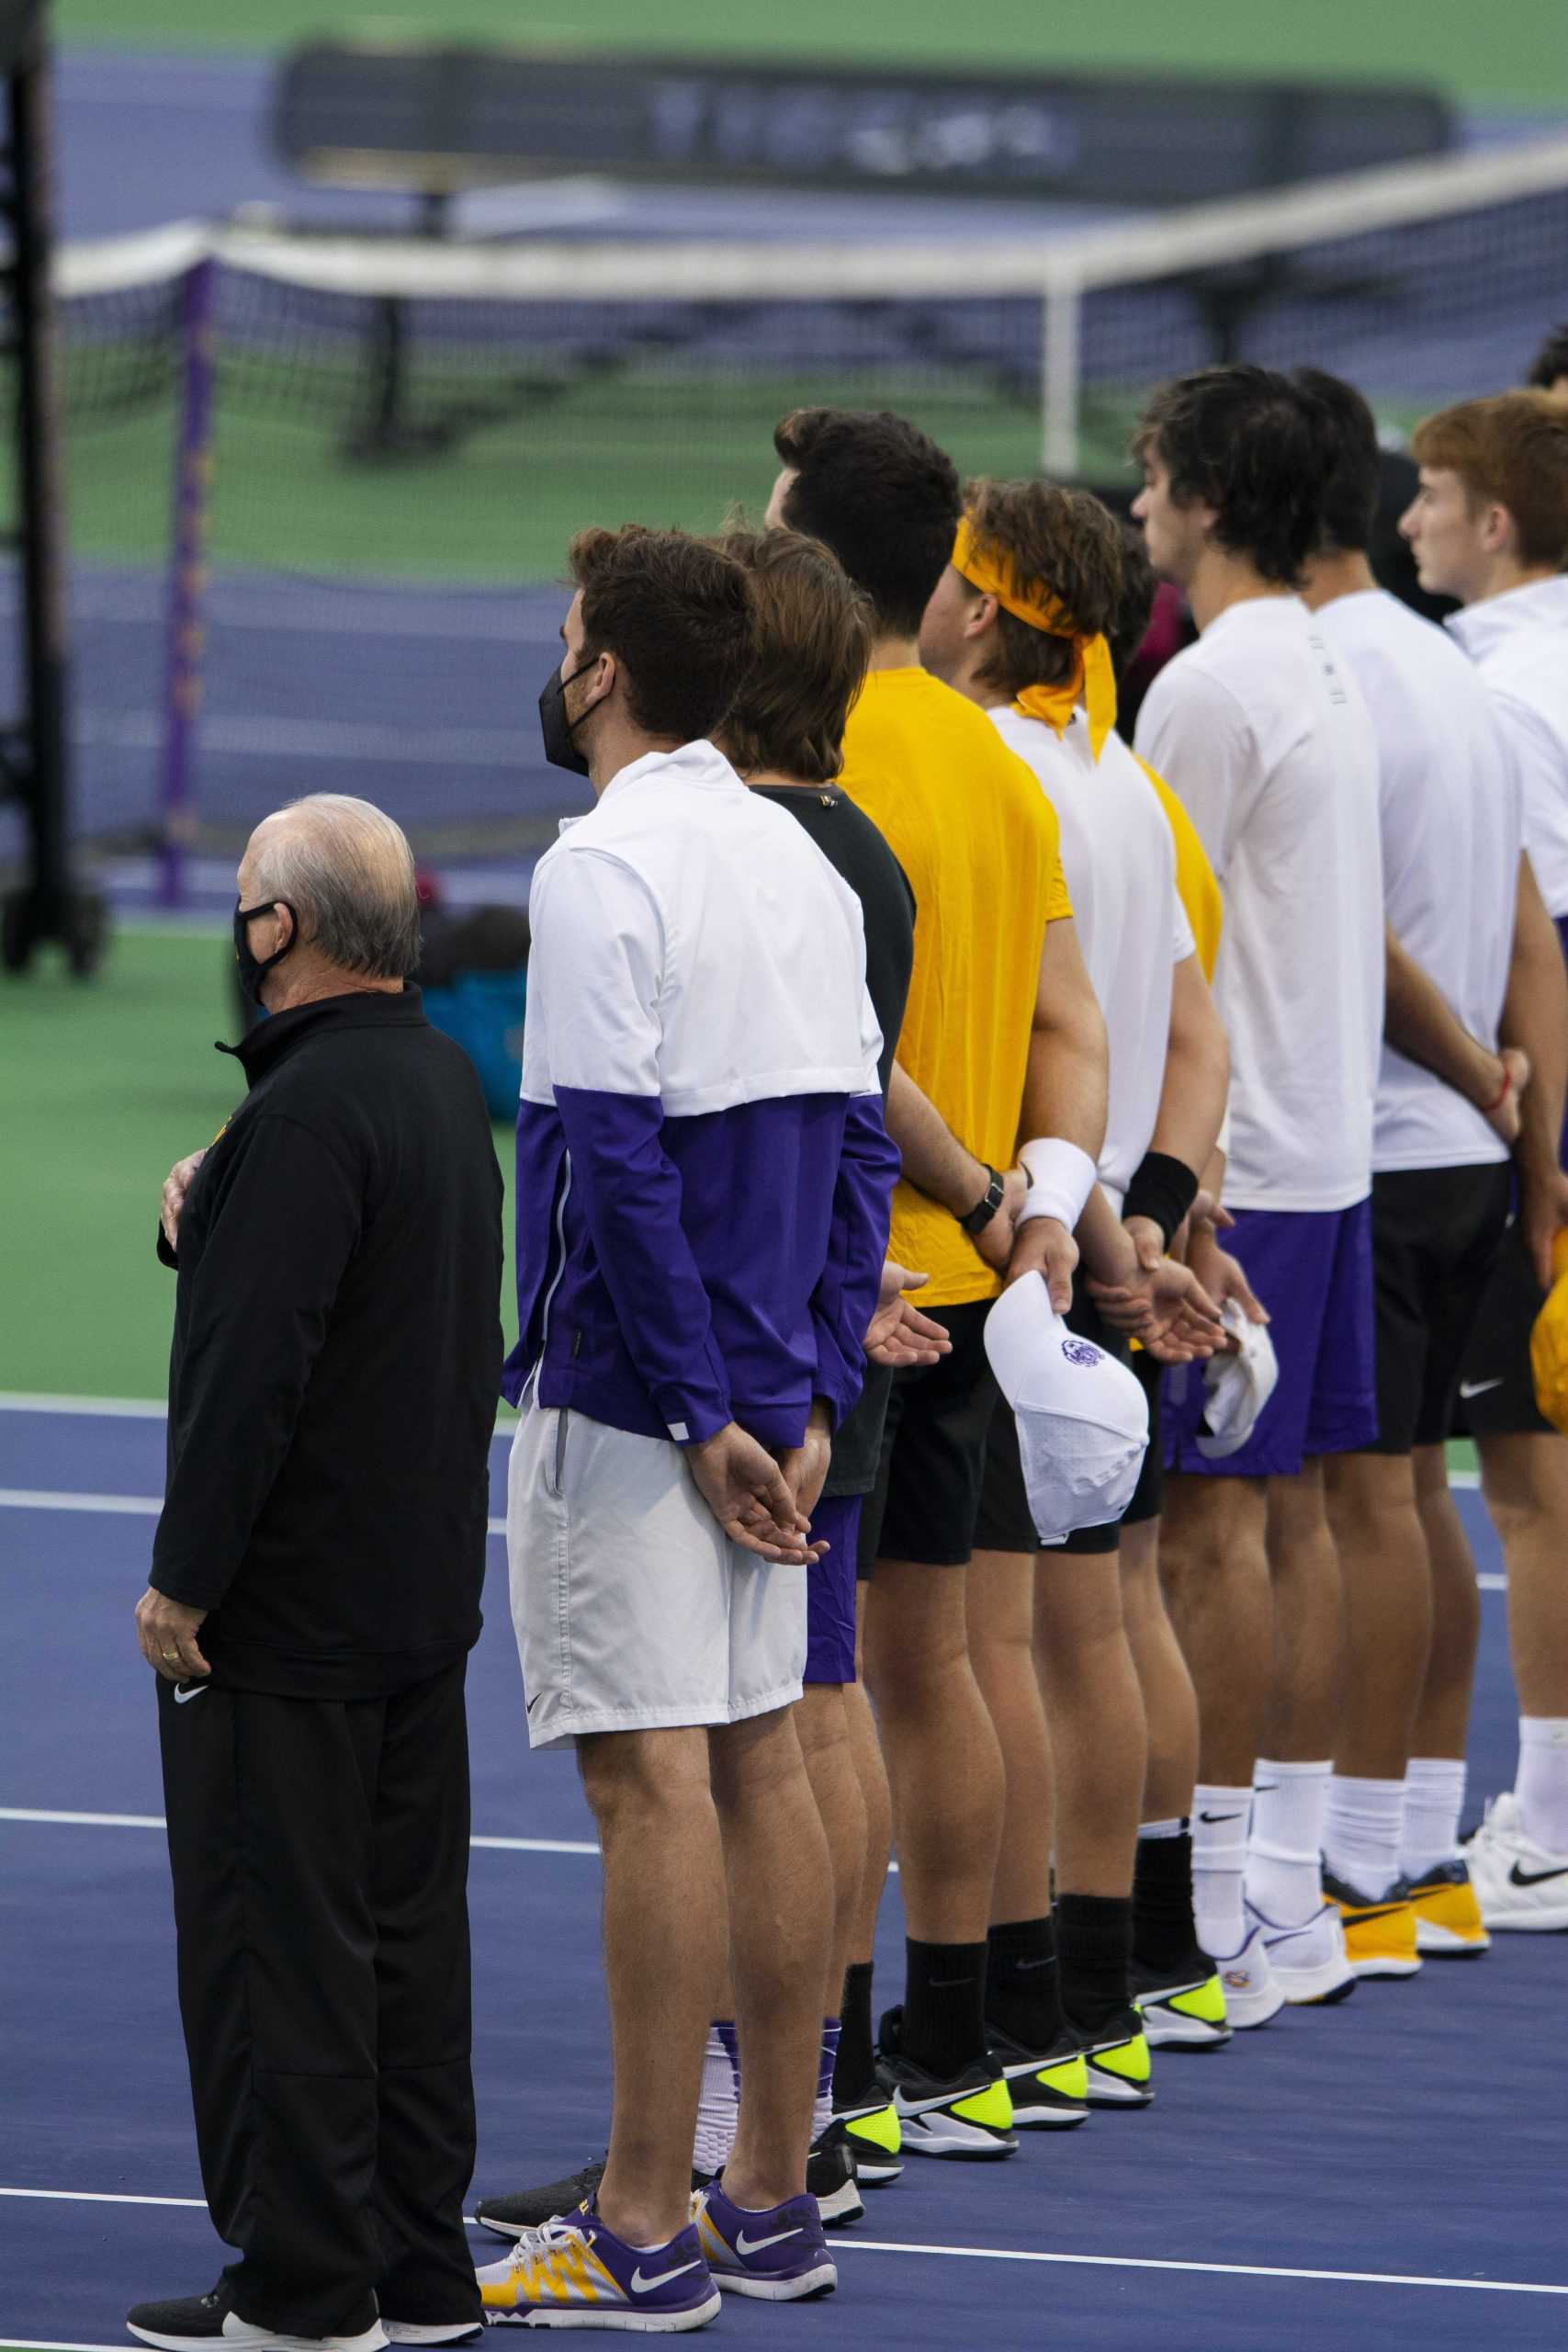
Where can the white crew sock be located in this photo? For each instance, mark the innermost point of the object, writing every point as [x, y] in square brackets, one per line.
[1542, 1789]
[1284, 1868]
[718, 2104]
[1219, 1867]
[823, 2113]
[1360, 1836]
[1434, 1799]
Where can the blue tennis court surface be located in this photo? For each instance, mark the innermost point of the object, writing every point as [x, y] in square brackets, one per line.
[1389, 2172]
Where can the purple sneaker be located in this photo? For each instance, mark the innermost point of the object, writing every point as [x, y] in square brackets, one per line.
[779, 2254]
[576, 2273]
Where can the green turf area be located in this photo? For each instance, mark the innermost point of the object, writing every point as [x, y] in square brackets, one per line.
[102, 1086]
[501, 500]
[1518, 53]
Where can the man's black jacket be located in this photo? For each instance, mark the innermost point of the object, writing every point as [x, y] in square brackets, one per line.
[336, 1358]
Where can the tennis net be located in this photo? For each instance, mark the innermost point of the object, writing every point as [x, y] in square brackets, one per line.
[322, 489]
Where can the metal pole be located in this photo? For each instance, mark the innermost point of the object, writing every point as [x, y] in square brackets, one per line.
[40, 499]
[1061, 369]
[187, 582]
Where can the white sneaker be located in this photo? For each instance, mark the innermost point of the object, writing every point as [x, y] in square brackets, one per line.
[1310, 1964]
[1252, 1996]
[1517, 1884]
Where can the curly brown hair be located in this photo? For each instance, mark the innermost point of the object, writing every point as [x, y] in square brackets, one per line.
[1066, 541]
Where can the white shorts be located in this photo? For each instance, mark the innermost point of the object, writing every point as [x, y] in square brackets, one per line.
[632, 1608]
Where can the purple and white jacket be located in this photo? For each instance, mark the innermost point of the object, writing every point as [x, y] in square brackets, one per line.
[704, 1180]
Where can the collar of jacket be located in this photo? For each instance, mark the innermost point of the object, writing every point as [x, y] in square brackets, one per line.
[1540, 604]
[271, 1039]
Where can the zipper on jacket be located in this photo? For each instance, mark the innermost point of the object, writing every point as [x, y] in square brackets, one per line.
[560, 1270]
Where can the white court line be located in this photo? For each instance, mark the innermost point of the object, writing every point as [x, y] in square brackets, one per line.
[127, 1506]
[83, 1821]
[128, 1408]
[144, 1409]
[148, 1507]
[99, 2197]
[1218, 2270]
[157, 1821]
[948, 2253]
[39, 1498]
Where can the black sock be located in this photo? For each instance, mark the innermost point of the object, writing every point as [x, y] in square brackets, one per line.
[1024, 1997]
[1165, 1934]
[854, 2068]
[1094, 1948]
[944, 2006]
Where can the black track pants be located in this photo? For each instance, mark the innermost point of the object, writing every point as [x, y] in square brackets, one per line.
[320, 1856]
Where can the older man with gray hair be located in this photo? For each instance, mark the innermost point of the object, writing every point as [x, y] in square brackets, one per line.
[315, 1594]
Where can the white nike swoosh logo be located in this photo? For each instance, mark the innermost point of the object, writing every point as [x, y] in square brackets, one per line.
[183, 1697]
[743, 2245]
[903, 2105]
[1479, 1387]
[641, 2286]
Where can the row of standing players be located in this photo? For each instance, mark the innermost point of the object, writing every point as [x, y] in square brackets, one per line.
[1149, 1788]
[1231, 1730]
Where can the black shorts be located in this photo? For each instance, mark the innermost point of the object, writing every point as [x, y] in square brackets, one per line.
[926, 1503]
[1006, 1523]
[1496, 1387]
[857, 1445]
[1148, 1495]
[1435, 1233]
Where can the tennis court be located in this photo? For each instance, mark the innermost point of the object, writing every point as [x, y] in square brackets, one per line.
[1387, 2172]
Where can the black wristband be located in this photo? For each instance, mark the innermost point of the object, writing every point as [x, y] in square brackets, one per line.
[1163, 1189]
[985, 1207]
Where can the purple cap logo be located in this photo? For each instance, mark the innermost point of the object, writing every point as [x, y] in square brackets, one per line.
[1082, 1352]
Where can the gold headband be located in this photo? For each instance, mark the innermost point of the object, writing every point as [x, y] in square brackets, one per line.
[986, 567]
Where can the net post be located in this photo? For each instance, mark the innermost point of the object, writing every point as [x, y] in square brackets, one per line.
[187, 578]
[1061, 367]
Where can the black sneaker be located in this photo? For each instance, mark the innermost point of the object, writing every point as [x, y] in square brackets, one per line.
[868, 2127]
[208, 2319]
[1049, 2089]
[831, 2178]
[1116, 2060]
[530, 2209]
[403, 2331]
[970, 2115]
[1183, 2006]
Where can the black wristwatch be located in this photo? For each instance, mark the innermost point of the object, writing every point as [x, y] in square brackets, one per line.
[984, 1209]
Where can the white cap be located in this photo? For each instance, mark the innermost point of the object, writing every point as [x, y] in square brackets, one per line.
[1236, 1387]
[1083, 1420]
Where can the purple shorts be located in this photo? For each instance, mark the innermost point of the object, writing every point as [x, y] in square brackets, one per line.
[830, 1591]
[1312, 1269]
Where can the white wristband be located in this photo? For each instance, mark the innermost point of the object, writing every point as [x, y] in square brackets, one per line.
[1061, 1178]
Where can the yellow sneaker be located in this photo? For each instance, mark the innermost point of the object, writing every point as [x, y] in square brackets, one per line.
[1448, 1917]
[1379, 1930]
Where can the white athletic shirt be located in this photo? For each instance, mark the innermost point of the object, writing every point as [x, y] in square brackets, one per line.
[1120, 861]
[1266, 741]
[1519, 642]
[1449, 803]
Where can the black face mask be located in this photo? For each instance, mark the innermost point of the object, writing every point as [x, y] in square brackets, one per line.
[556, 729]
[254, 968]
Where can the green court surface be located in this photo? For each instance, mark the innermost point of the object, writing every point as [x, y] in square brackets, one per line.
[1518, 54]
[501, 501]
[102, 1088]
